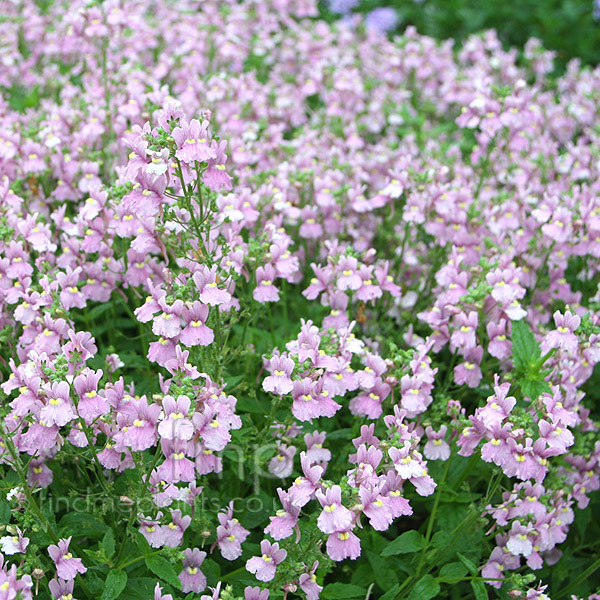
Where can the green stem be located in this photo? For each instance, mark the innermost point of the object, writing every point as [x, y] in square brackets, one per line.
[431, 520]
[582, 577]
[26, 488]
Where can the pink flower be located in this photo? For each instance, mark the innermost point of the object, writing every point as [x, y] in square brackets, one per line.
[342, 545]
[304, 488]
[518, 540]
[14, 544]
[265, 291]
[469, 372]
[282, 464]
[255, 593]
[58, 409]
[193, 142]
[196, 333]
[436, 448]
[563, 337]
[61, 589]
[230, 534]
[173, 531]
[215, 177]
[192, 579]
[285, 520]
[176, 466]
[334, 516]
[152, 530]
[308, 583]
[210, 292]
[376, 507]
[312, 401]
[264, 566]
[175, 424]
[279, 381]
[167, 323]
[67, 566]
[91, 404]
[463, 336]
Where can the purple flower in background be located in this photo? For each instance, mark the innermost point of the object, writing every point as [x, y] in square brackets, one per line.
[342, 7]
[382, 19]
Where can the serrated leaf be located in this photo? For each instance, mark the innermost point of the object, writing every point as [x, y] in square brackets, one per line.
[115, 583]
[162, 568]
[342, 591]
[426, 589]
[479, 590]
[468, 563]
[409, 541]
[525, 349]
[108, 543]
[533, 389]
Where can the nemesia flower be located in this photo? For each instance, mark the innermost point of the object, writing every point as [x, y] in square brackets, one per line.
[67, 567]
[192, 579]
[279, 381]
[264, 567]
[334, 516]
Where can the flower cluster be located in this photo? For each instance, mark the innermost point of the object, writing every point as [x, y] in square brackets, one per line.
[277, 293]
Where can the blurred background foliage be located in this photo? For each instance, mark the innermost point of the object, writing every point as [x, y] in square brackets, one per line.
[571, 28]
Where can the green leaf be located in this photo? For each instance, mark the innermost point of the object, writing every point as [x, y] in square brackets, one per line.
[140, 588]
[114, 585]
[479, 590]
[212, 570]
[142, 544]
[4, 513]
[533, 388]
[453, 570]
[385, 576]
[468, 563]
[342, 591]
[108, 543]
[164, 569]
[409, 541]
[525, 350]
[391, 593]
[426, 589]
[94, 584]
[81, 524]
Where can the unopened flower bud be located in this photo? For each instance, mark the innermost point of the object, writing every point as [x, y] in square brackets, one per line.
[205, 533]
[37, 574]
[126, 500]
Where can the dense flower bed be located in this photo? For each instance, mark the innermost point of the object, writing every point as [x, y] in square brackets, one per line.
[279, 295]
